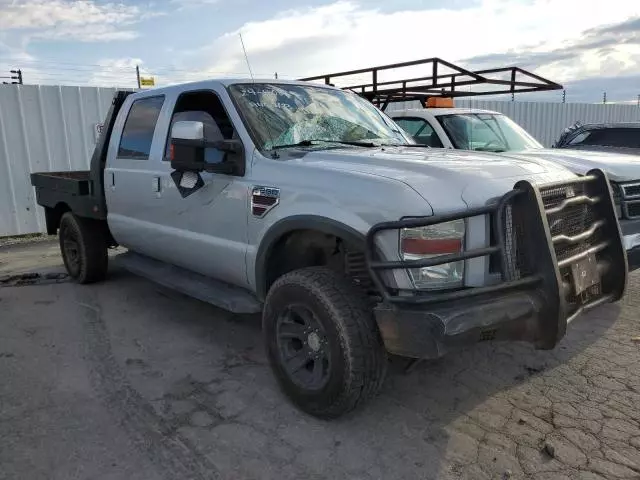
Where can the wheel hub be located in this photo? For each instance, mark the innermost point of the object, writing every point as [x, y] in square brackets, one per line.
[313, 340]
[303, 347]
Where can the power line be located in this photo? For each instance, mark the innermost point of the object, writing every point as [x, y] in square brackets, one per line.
[78, 67]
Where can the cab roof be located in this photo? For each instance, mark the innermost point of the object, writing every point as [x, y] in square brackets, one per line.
[225, 82]
[436, 112]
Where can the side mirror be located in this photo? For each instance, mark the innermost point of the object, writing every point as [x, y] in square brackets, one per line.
[188, 146]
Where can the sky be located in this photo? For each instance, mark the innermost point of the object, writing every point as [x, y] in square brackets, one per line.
[590, 46]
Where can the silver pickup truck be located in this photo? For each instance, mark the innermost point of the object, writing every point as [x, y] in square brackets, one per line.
[308, 204]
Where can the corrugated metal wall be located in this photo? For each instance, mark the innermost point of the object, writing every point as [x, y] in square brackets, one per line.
[50, 128]
[545, 121]
[43, 128]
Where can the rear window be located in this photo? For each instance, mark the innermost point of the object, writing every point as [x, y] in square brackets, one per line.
[137, 135]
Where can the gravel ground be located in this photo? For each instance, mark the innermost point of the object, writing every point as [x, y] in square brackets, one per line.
[128, 380]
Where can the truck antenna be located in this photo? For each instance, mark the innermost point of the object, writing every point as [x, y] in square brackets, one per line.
[264, 118]
[246, 57]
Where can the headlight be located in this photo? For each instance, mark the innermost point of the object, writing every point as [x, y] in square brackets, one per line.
[432, 241]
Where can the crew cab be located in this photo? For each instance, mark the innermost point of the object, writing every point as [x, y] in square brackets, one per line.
[474, 129]
[308, 204]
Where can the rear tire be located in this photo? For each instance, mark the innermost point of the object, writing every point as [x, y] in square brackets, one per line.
[323, 342]
[83, 244]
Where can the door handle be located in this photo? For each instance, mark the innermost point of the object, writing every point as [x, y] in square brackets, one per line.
[156, 184]
[113, 181]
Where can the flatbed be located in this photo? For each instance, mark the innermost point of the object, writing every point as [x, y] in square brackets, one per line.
[80, 191]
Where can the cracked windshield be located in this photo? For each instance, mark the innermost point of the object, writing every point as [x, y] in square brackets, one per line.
[285, 115]
[486, 133]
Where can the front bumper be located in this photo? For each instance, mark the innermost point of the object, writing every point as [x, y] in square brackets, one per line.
[430, 333]
[536, 297]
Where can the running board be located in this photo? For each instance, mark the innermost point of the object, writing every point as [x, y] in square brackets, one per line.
[215, 292]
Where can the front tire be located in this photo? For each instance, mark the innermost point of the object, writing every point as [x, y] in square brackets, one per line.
[323, 342]
[84, 248]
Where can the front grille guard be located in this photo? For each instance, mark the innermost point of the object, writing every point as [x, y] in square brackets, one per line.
[496, 211]
[539, 247]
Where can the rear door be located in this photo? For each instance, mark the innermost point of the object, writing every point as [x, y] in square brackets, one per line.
[129, 172]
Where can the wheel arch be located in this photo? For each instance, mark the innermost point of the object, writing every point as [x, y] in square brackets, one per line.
[282, 229]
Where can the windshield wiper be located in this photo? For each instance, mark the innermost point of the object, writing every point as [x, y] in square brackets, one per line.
[414, 145]
[309, 143]
[492, 150]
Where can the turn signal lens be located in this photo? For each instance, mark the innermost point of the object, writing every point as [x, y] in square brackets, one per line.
[431, 246]
[431, 241]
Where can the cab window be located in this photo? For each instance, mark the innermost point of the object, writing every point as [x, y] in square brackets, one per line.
[139, 127]
[205, 107]
[421, 131]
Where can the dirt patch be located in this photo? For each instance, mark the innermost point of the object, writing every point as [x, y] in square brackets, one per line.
[33, 278]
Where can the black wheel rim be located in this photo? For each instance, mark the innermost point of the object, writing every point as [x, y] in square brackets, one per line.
[303, 347]
[71, 248]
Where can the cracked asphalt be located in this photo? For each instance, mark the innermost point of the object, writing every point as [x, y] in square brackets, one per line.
[129, 380]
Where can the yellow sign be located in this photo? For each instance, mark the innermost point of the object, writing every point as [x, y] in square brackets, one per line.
[147, 82]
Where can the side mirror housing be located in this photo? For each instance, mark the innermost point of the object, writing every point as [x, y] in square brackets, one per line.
[188, 146]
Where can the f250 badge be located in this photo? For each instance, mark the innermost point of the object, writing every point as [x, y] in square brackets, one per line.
[264, 199]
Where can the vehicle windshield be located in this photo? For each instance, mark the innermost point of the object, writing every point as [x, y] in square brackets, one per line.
[280, 114]
[486, 132]
[608, 137]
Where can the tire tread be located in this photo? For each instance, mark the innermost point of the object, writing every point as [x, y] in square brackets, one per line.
[364, 349]
[93, 248]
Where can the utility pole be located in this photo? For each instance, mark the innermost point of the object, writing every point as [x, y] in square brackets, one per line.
[15, 77]
[138, 75]
[18, 76]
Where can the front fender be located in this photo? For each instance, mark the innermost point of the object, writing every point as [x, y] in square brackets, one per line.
[281, 227]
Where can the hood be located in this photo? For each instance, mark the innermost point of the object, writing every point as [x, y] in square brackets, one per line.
[619, 167]
[442, 177]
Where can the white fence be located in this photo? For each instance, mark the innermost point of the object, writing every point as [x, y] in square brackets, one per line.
[43, 128]
[49, 128]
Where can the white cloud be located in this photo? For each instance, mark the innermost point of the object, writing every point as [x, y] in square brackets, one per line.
[83, 20]
[347, 35]
[185, 4]
[119, 72]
